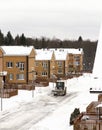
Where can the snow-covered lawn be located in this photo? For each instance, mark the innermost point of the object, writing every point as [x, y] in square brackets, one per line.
[44, 111]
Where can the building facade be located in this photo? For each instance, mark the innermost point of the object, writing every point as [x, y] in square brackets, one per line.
[24, 64]
[57, 63]
[18, 62]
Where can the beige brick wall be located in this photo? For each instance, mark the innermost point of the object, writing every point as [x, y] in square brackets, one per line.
[28, 68]
[31, 64]
[1, 60]
[39, 68]
[15, 70]
[1, 66]
[53, 67]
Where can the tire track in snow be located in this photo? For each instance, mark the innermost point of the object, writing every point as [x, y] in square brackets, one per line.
[34, 112]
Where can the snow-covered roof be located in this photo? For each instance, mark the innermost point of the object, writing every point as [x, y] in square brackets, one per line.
[66, 50]
[75, 51]
[16, 50]
[43, 54]
[100, 105]
[60, 54]
[3, 73]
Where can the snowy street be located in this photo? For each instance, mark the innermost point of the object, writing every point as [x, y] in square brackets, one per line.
[45, 111]
[30, 113]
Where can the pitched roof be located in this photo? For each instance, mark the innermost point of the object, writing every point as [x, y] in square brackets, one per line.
[60, 54]
[16, 50]
[43, 54]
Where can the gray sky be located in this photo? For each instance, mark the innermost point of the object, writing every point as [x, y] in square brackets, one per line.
[63, 19]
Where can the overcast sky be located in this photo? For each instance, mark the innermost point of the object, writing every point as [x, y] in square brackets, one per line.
[63, 19]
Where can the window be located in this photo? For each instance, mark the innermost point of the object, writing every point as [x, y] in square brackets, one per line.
[60, 71]
[59, 63]
[71, 68]
[20, 76]
[77, 58]
[9, 64]
[60, 84]
[77, 63]
[44, 73]
[36, 63]
[20, 65]
[11, 76]
[45, 65]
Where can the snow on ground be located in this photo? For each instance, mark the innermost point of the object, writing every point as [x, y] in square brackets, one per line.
[59, 120]
[44, 111]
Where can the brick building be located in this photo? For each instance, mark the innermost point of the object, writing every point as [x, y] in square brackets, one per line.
[58, 62]
[92, 118]
[21, 61]
[18, 62]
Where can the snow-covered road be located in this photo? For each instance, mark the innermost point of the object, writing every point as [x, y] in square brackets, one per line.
[28, 114]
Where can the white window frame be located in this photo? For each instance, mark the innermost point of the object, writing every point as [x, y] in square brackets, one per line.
[20, 65]
[45, 64]
[11, 76]
[20, 76]
[9, 64]
[44, 73]
[76, 63]
[37, 63]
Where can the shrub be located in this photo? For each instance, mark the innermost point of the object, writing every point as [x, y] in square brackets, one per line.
[74, 114]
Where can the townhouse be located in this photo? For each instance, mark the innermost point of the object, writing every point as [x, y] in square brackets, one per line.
[55, 63]
[24, 64]
[75, 60]
[42, 64]
[60, 59]
[18, 62]
[92, 118]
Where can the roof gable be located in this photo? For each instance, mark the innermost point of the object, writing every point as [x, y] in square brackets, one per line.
[17, 50]
[43, 55]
